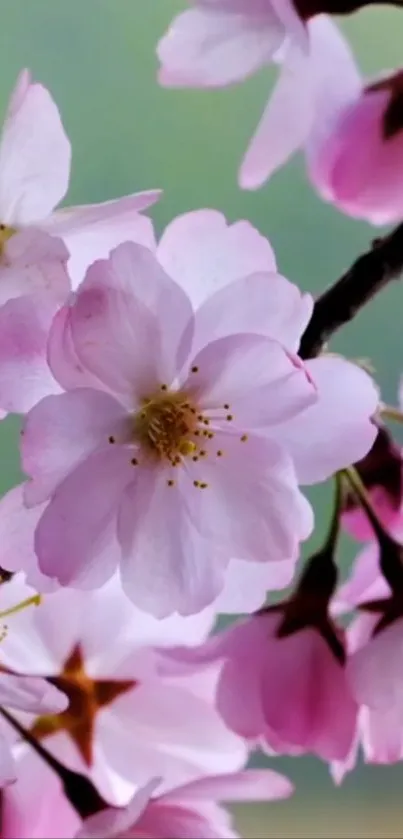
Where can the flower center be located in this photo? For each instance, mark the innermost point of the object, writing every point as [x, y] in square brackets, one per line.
[166, 424]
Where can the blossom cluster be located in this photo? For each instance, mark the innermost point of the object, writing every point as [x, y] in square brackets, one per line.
[170, 422]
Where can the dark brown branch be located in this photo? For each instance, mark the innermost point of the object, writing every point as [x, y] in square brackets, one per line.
[343, 300]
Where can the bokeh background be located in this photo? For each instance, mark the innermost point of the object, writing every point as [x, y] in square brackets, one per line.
[98, 59]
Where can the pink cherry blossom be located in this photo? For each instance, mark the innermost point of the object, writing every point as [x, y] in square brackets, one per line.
[125, 722]
[187, 812]
[217, 43]
[161, 415]
[35, 157]
[354, 155]
[288, 694]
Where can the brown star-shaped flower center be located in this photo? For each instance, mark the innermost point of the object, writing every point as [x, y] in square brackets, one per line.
[86, 697]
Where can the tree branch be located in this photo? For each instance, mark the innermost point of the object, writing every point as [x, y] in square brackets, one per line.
[342, 301]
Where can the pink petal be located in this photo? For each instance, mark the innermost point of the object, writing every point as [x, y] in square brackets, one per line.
[261, 303]
[63, 360]
[285, 124]
[338, 81]
[34, 263]
[375, 669]
[8, 771]
[204, 254]
[382, 735]
[61, 431]
[17, 528]
[25, 376]
[278, 389]
[31, 694]
[262, 517]
[249, 785]
[112, 322]
[211, 46]
[327, 437]
[311, 707]
[75, 538]
[364, 583]
[247, 583]
[34, 157]
[165, 569]
[91, 231]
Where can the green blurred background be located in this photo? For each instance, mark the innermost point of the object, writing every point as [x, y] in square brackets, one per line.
[98, 59]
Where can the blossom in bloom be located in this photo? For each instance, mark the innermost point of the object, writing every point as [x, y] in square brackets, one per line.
[355, 152]
[124, 722]
[219, 42]
[35, 807]
[195, 417]
[286, 692]
[35, 157]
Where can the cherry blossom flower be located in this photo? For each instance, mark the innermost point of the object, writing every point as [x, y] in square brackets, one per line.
[219, 42]
[35, 156]
[124, 722]
[160, 417]
[355, 152]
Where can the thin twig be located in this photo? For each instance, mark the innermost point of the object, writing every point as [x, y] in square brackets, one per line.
[342, 301]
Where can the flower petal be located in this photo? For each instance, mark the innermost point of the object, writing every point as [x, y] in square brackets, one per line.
[31, 694]
[117, 316]
[255, 376]
[91, 231]
[211, 46]
[17, 528]
[34, 263]
[25, 376]
[75, 538]
[328, 436]
[165, 569]
[34, 157]
[249, 785]
[261, 303]
[204, 254]
[61, 431]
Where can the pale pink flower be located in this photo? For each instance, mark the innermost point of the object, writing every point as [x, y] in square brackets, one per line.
[219, 42]
[187, 812]
[35, 157]
[125, 722]
[288, 694]
[165, 409]
[355, 153]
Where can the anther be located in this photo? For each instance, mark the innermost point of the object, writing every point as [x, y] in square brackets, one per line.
[206, 422]
[202, 453]
[203, 486]
[171, 483]
[210, 435]
[195, 369]
[226, 406]
[111, 439]
[229, 417]
[134, 461]
[164, 387]
[196, 483]
[219, 453]
[195, 458]
[244, 438]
